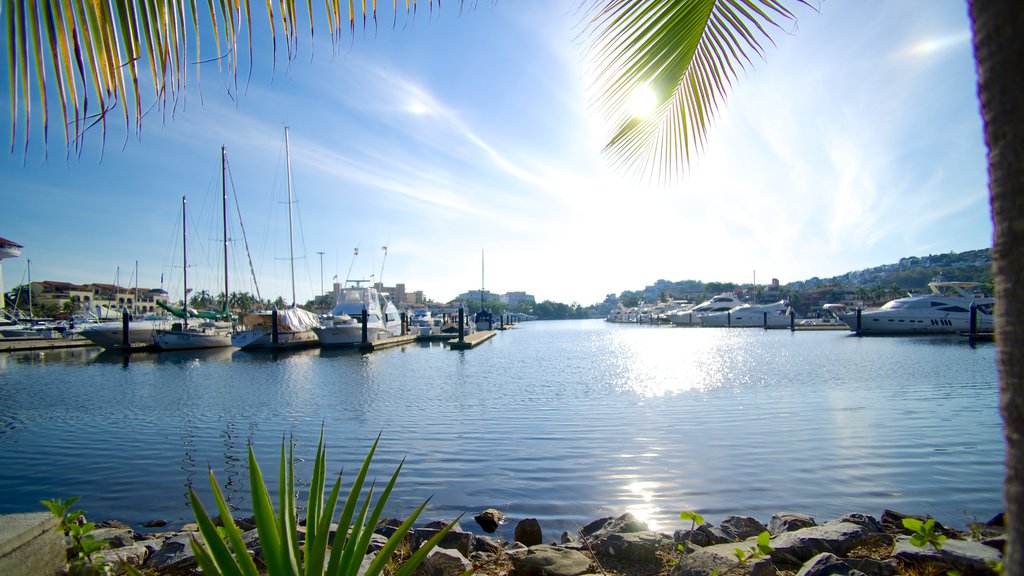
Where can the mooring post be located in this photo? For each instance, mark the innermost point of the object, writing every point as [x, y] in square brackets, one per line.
[792, 320]
[126, 339]
[974, 319]
[858, 320]
[728, 319]
[274, 335]
[764, 320]
[402, 316]
[462, 324]
[364, 325]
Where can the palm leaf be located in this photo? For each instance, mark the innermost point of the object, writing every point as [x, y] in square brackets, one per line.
[687, 52]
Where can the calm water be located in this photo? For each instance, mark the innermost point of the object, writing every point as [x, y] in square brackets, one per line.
[562, 421]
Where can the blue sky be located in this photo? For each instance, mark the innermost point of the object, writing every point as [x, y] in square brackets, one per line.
[856, 142]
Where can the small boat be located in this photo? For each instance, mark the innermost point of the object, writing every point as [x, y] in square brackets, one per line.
[774, 315]
[946, 310]
[344, 327]
[720, 303]
[279, 329]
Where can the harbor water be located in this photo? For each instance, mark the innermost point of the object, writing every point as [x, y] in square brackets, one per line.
[564, 421]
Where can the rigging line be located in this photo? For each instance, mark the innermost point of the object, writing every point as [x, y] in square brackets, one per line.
[245, 239]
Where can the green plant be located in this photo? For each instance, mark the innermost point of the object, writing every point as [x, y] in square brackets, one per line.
[760, 549]
[278, 531]
[83, 544]
[694, 519]
[923, 532]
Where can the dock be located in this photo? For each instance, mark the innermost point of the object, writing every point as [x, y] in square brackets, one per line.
[387, 343]
[25, 344]
[471, 341]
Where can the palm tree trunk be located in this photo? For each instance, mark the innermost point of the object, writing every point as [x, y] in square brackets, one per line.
[998, 27]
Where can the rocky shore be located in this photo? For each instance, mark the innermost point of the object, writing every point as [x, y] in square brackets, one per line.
[854, 545]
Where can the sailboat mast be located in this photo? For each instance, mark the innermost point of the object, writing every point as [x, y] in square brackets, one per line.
[184, 260]
[481, 280]
[291, 243]
[224, 215]
[28, 267]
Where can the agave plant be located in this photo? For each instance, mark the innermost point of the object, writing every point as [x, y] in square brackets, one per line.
[223, 551]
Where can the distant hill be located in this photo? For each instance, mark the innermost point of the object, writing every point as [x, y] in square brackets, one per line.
[910, 273]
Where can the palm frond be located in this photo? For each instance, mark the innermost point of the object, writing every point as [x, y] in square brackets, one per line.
[69, 49]
[687, 53]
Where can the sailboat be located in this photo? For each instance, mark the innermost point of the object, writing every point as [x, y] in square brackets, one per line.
[484, 318]
[276, 329]
[209, 329]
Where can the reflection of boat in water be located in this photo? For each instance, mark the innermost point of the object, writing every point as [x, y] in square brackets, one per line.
[774, 315]
[946, 310]
[720, 303]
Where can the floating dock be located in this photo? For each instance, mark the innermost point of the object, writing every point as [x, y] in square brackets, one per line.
[471, 341]
[23, 344]
[386, 343]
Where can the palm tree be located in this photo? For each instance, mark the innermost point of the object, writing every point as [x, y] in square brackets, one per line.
[686, 53]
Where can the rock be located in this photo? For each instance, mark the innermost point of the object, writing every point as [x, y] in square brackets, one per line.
[742, 527]
[528, 532]
[624, 524]
[489, 520]
[869, 522]
[636, 546]
[544, 560]
[455, 539]
[763, 567]
[175, 554]
[377, 541]
[445, 562]
[795, 548]
[892, 522]
[997, 520]
[516, 548]
[154, 524]
[716, 558]
[136, 555]
[113, 524]
[788, 522]
[568, 538]
[486, 545]
[116, 537]
[872, 567]
[960, 555]
[593, 527]
[704, 535]
[827, 564]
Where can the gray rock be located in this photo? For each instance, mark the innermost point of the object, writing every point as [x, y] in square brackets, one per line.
[151, 545]
[624, 524]
[528, 532]
[154, 524]
[704, 535]
[872, 567]
[961, 555]
[489, 520]
[116, 537]
[175, 554]
[568, 538]
[136, 555]
[445, 562]
[377, 541]
[592, 528]
[788, 522]
[827, 564]
[486, 545]
[869, 522]
[704, 561]
[544, 560]
[892, 522]
[636, 546]
[763, 567]
[742, 527]
[455, 539]
[516, 548]
[795, 548]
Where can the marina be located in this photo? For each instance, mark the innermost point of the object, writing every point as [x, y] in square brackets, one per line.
[563, 421]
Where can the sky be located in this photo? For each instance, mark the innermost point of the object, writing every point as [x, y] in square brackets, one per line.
[463, 141]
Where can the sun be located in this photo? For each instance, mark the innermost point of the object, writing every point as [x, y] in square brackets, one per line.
[642, 102]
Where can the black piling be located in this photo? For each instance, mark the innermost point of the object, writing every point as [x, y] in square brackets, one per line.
[462, 325]
[126, 339]
[365, 318]
[274, 335]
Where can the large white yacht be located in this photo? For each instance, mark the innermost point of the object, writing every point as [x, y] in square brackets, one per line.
[774, 315]
[344, 327]
[946, 310]
[720, 303]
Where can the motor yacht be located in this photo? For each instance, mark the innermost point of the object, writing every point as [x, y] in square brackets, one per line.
[774, 315]
[946, 310]
[720, 303]
[344, 327]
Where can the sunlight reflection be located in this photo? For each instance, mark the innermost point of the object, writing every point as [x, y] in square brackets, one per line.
[645, 510]
[655, 363]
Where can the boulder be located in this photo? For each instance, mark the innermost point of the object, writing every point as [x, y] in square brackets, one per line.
[827, 564]
[869, 522]
[704, 535]
[154, 524]
[528, 532]
[742, 527]
[635, 546]
[489, 520]
[135, 554]
[963, 556]
[592, 528]
[872, 567]
[455, 539]
[175, 554]
[892, 522]
[544, 560]
[795, 548]
[716, 558]
[445, 562]
[624, 524]
[788, 522]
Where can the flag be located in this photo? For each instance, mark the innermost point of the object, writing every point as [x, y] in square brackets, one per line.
[335, 279]
[357, 252]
